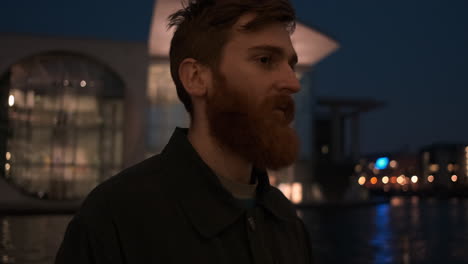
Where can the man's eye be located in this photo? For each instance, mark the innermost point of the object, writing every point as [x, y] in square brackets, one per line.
[265, 60]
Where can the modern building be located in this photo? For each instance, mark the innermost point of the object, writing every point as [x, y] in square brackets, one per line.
[445, 165]
[338, 126]
[337, 146]
[75, 109]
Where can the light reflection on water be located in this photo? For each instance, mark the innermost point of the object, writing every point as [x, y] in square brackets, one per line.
[31, 239]
[406, 231]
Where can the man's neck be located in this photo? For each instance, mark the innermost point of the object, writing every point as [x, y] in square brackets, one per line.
[222, 161]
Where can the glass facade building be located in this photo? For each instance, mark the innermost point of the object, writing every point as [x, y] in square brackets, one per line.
[62, 118]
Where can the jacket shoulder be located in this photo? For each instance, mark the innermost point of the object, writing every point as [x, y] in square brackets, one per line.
[128, 186]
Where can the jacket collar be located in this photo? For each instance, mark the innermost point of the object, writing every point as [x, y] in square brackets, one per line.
[208, 205]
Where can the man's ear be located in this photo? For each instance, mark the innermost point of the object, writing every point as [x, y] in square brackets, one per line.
[195, 77]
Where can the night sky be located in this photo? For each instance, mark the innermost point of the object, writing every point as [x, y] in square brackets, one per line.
[413, 55]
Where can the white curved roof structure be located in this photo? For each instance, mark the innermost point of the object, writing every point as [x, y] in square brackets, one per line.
[311, 45]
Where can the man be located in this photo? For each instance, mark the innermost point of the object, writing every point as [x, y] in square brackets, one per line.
[206, 198]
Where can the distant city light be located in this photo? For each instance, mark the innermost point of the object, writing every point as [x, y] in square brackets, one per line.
[7, 166]
[8, 156]
[396, 201]
[325, 149]
[385, 180]
[285, 188]
[296, 192]
[393, 179]
[381, 163]
[434, 167]
[373, 180]
[66, 82]
[375, 171]
[466, 149]
[414, 179]
[454, 178]
[371, 165]
[393, 164]
[358, 168]
[83, 83]
[430, 178]
[450, 167]
[11, 100]
[362, 180]
[401, 179]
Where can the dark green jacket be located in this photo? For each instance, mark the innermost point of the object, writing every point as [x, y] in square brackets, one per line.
[171, 208]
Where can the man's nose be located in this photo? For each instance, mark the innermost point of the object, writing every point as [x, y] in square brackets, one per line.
[288, 81]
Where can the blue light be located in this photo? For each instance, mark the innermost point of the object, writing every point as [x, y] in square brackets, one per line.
[381, 163]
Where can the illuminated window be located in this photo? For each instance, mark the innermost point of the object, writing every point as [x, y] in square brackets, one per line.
[165, 110]
[434, 167]
[454, 178]
[65, 133]
[296, 192]
[450, 167]
[161, 88]
[286, 189]
[11, 100]
[430, 178]
[325, 149]
[358, 168]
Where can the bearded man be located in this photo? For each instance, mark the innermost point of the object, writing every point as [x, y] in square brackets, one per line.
[206, 198]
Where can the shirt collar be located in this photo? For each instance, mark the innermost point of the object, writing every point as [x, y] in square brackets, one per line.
[208, 205]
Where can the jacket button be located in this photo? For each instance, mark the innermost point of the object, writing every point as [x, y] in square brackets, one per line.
[251, 223]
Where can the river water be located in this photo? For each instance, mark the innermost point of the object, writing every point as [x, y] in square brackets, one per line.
[406, 230]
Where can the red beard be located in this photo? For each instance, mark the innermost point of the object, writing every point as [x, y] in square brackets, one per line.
[259, 133]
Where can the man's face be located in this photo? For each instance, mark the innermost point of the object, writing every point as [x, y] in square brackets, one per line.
[250, 107]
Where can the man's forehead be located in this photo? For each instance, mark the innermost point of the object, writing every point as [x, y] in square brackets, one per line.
[275, 34]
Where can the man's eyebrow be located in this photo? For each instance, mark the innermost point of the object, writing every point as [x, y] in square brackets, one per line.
[276, 50]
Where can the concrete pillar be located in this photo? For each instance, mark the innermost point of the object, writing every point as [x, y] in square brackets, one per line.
[355, 136]
[336, 134]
